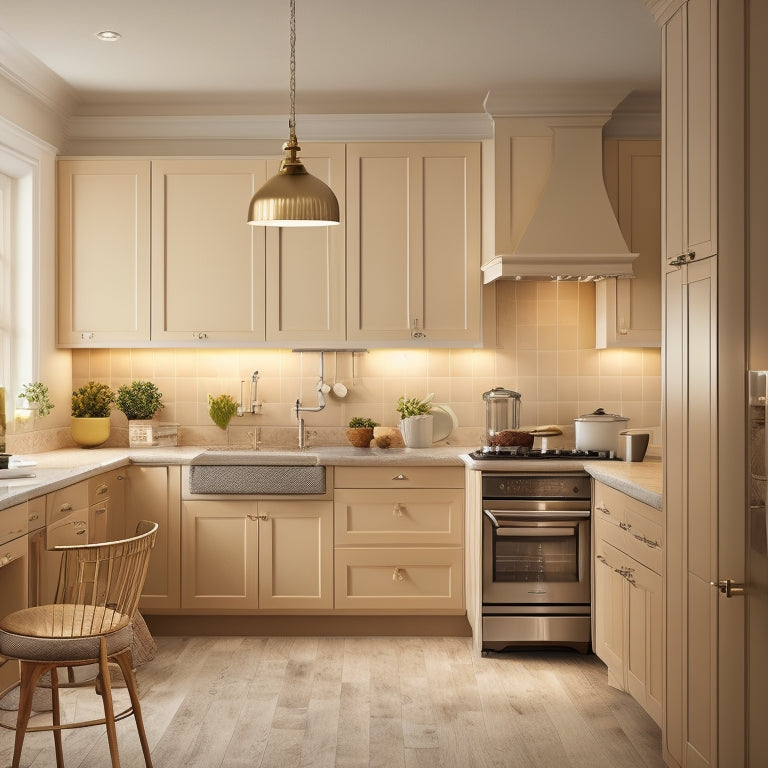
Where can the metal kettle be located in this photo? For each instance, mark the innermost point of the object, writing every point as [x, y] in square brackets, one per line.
[502, 410]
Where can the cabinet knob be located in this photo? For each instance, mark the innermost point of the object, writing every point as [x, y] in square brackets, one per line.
[102, 489]
[398, 574]
[604, 510]
[397, 510]
[417, 332]
[6, 559]
[624, 526]
[400, 477]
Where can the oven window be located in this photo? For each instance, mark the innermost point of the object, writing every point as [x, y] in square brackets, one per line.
[533, 554]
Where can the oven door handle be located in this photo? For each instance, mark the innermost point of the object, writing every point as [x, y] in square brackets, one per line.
[499, 517]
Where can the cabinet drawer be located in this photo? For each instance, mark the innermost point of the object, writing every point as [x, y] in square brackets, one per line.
[399, 477]
[399, 579]
[99, 488]
[13, 522]
[644, 540]
[610, 532]
[61, 503]
[410, 516]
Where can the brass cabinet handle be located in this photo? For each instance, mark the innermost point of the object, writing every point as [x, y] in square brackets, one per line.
[604, 510]
[398, 574]
[397, 510]
[401, 476]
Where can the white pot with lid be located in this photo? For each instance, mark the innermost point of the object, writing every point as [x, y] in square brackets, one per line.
[599, 431]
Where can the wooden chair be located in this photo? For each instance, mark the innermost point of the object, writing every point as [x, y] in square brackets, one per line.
[89, 623]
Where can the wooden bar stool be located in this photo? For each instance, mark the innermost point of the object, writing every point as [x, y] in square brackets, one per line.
[88, 623]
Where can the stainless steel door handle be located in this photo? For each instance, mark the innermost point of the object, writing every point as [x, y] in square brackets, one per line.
[728, 587]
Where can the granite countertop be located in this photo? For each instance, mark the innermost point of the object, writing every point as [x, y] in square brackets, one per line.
[642, 480]
[57, 469]
[53, 470]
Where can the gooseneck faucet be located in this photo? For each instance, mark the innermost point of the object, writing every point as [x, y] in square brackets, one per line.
[298, 409]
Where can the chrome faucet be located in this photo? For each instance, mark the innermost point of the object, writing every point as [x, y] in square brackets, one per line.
[298, 408]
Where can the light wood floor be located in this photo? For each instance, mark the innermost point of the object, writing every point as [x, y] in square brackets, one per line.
[411, 702]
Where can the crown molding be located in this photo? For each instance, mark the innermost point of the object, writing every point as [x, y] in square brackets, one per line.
[32, 76]
[402, 127]
[661, 10]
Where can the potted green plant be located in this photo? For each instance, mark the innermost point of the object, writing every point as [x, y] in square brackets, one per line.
[221, 409]
[360, 432]
[91, 406]
[35, 396]
[416, 420]
[139, 401]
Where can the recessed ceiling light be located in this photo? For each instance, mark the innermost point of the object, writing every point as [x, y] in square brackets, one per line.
[108, 36]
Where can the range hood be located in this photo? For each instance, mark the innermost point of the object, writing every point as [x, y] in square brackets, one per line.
[573, 234]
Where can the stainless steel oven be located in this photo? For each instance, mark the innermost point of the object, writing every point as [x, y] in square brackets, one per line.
[536, 560]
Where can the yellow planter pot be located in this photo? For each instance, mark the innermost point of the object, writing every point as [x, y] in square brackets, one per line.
[89, 432]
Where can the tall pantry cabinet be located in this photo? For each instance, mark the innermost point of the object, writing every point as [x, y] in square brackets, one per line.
[690, 359]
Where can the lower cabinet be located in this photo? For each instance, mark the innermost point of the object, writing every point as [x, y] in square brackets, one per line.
[153, 493]
[246, 555]
[628, 607]
[399, 539]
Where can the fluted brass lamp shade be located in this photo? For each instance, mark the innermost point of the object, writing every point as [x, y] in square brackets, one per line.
[293, 197]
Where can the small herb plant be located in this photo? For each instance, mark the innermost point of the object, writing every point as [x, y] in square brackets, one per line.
[357, 422]
[93, 400]
[139, 400]
[36, 395]
[412, 406]
[221, 409]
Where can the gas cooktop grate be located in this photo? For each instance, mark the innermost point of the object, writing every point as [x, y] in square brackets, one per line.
[521, 452]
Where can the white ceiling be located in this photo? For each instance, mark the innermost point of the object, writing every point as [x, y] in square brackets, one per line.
[352, 56]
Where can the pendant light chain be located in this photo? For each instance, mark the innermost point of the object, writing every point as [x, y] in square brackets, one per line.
[292, 117]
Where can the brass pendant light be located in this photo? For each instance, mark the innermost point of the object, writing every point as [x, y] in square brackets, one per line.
[293, 197]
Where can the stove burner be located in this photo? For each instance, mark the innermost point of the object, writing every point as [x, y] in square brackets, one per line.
[522, 452]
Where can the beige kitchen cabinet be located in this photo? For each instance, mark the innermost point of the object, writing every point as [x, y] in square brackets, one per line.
[628, 311]
[399, 534]
[689, 95]
[154, 493]
[691, 513]
[413, 243]
[628, 607]
[208, 269]
[295, 555]
[305, 266]
[106, 507]
[246, 555]
[14, 568]
[219, 561]
[103, 252]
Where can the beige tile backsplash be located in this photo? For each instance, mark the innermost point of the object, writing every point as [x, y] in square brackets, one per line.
[539, 342]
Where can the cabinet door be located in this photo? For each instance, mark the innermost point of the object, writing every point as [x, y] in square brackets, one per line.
[295, 554]
[413, 242]
[645, 639]
[207, 262]
[219, 567]
[305, 297]
[628, 312]
[691, 512]
[689, 41]
[103, 251]
[153, 493]
[609, 612]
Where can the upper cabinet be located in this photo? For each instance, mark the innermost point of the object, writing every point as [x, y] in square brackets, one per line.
[405, 269]
[628, 311]
[207, 262]
[413, 243]
[103, 242]
[306, 265]
[689, 50]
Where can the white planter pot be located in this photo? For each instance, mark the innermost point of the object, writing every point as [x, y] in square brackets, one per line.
[141, 433]
[417, 431]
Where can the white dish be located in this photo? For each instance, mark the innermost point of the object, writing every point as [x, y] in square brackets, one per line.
[443, 423]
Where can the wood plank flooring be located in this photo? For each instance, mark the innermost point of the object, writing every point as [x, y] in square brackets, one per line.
[397, 702]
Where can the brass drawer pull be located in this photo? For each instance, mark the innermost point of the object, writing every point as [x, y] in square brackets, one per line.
[398, 574]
